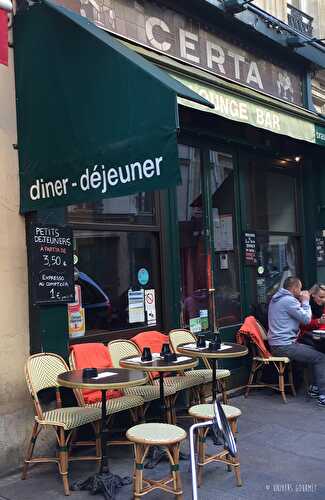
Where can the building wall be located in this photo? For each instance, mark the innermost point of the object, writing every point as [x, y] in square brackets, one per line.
[15, 406]
[316, 9]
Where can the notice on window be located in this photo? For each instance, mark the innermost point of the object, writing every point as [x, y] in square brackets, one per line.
[150, 307]
[136, 306]
[223, 233]
[195, 325]
[250, 257]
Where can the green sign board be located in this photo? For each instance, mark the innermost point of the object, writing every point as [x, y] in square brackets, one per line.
[239, 109]
[320, 135]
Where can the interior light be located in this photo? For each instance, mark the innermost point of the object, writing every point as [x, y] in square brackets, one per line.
[297, 158]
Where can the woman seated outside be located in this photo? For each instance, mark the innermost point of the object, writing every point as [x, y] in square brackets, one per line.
[317, 305]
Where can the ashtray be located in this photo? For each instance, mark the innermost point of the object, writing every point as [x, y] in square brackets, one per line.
[89, 372]
[214, 346]
[169, 357]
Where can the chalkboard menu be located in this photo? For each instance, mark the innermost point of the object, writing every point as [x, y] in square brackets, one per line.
[51, 259]
[320, 249]
[250, 258]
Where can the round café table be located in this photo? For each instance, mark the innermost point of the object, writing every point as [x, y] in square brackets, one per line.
[107, 378]
[158, 364]
[228, 350]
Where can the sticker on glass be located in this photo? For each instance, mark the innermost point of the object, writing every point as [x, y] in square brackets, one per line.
[143, 276]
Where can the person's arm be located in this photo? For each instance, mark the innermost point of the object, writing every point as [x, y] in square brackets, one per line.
[313, 325]
[300, 312]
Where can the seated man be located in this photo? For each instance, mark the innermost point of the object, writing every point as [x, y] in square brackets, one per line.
[288, 308]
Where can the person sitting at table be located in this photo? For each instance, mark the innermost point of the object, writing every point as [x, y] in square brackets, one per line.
[289, 307]
[317, 305]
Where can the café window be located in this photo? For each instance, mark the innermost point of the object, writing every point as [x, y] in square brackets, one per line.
[272, 208]
[201, 255]
[226, 258]
[193, 252]
[116, 242]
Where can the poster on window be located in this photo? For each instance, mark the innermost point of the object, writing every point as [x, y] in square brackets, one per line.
[223, 233]
[136, 306]
[320, 248]
[249, 241]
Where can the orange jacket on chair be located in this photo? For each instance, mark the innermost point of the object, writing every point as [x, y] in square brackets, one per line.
[152, 339]
[251, 330]
[93, 355]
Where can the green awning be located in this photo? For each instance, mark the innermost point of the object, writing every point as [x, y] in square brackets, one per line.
[95, 119]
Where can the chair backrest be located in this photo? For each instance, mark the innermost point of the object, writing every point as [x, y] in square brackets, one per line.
[180, 336]
[152, 339]
[77, 392]
[119, 349]
[41, 372]
[262, 330]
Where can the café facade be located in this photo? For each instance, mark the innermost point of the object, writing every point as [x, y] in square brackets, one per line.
[171, 166]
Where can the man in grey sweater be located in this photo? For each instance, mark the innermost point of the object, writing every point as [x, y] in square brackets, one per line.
[289, 308]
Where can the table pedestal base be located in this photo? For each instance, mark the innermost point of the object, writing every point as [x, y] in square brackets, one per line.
[104, 482]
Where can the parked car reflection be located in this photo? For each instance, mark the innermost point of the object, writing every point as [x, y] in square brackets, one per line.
[97, 305]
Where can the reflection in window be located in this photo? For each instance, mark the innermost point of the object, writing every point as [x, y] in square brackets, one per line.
[195, 296]
[277, 260]
[273, 201]
[109, 263]
[224, 234]
[133, 209]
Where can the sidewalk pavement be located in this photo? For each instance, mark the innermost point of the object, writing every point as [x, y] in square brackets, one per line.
[282, 453]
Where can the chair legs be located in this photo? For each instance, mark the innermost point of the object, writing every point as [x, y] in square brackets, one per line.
[223, 456]
[281, 381]
[63, 459]
[142, 485]
[251, 377]
[291, 380]
[30, 450]
[280, 366]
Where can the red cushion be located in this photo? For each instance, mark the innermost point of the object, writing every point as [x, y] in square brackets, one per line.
[93, 355]
[154, 340]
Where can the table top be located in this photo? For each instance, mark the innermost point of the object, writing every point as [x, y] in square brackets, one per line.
[115, 378]
[158, 364]
[233, 351]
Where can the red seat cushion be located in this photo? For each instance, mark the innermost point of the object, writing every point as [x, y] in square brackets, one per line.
[93, 355]
[154, 340]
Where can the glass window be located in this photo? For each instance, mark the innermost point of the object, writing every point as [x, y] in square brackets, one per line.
[228, 310]
[277, 259]
[110, 264]
[272, 198]
[134, 209]
[195, 295]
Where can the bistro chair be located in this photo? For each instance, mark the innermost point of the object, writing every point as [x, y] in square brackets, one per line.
[180, 336]
[92, 399]
[119, 349]
[41, 372]
[262, 358]
[169, 437]
[205, 412]
[179, 382]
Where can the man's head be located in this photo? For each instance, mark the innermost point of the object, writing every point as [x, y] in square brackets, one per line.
[293, 285]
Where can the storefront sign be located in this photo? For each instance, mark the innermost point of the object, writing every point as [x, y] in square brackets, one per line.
[150, 306]
[51, 254]
[320, 135]
[250, 257]
[136, 306]
[176, 35]
[143, 276]
[242, 110]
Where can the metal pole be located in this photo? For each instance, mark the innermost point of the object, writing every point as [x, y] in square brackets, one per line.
[192, 452]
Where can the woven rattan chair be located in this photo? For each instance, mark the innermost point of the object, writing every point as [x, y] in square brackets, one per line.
[206, 412]
[113, 405]
[166, 436]
[41, 371]
[180, 336]
[119, 349]
[259, 363]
